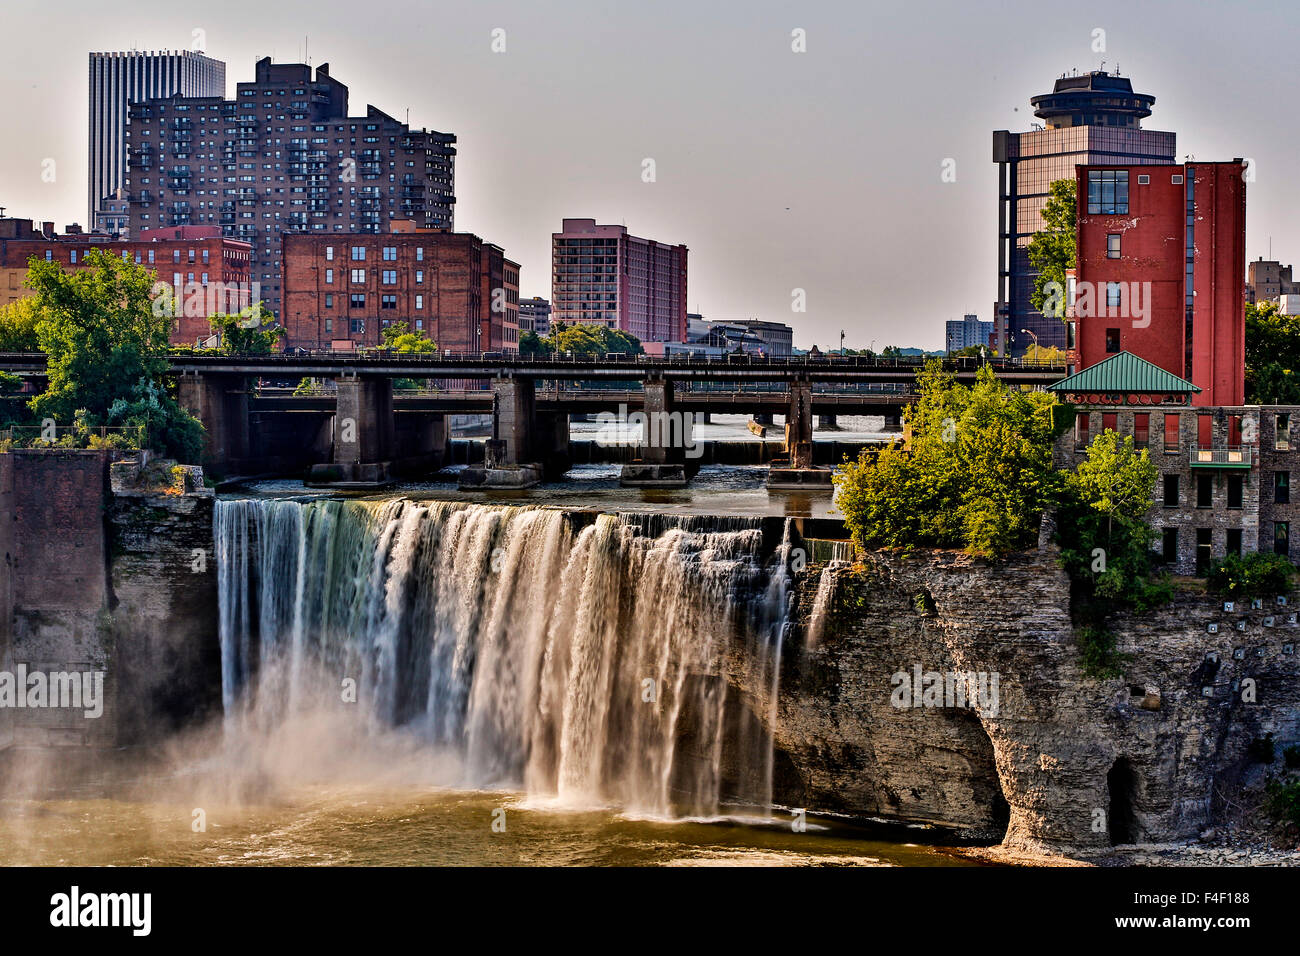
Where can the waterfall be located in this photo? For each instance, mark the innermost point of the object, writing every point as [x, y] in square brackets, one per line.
[822, 601]
[620, 659]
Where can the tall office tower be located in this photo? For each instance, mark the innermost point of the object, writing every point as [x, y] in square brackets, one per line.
[284, 156]
[1091, 119]
[120, 79]
[602, 275]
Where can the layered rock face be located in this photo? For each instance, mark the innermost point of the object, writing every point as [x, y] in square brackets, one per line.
[1058, 759]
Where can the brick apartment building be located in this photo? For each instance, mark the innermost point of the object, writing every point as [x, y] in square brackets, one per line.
[1161, 255]
[283, 157]
[211, 272]
[602, 275]
[341, 291]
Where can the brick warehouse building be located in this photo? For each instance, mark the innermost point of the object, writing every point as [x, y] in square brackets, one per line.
[342, 290]
[283, 156]
[602, 275]
[1161, 259]
[212, 272]
[1224, 473]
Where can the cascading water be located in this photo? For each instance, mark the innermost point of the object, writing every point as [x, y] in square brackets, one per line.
[620, 660]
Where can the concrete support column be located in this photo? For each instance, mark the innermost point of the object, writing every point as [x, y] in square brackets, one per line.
[799, 425]
[513, 430]
[220, 402]
[363, 421]
[665, 435]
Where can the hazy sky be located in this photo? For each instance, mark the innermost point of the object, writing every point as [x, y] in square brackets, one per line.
[780, 170]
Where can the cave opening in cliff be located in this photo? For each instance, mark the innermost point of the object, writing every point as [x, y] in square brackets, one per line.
[1121, 782]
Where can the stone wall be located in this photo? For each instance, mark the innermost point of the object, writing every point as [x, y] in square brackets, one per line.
[94, 581]
[1071, 756]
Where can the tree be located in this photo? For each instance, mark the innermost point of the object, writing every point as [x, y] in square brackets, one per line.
[18, 326]
[590, 341]
[532, 344]
[106, 351]
[399, 337]
[252, 332]
[1044, 355]
[1272, 355]
[1052, 250]
[977, 473]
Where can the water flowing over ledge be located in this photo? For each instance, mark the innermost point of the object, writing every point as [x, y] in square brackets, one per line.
[585, 659]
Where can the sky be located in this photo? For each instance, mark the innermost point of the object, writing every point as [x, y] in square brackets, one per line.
[820, 171]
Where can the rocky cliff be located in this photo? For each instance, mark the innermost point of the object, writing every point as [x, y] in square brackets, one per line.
[1054, 758]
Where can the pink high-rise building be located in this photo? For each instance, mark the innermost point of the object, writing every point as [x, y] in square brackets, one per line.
[600, 274]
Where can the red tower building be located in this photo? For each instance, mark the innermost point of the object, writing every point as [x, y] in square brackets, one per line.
[1161, 260]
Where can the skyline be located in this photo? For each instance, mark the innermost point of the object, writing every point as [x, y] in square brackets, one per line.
[770, 165]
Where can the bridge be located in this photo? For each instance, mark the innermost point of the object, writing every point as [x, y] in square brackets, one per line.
[360, 423]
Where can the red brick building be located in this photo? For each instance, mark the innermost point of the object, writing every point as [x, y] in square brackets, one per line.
[1161, 260]
[341, 291]
[207, 273]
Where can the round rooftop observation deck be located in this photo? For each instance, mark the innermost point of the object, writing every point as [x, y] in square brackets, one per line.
[1093, 99]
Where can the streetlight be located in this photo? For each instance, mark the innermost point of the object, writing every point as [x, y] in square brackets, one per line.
[1035, 338]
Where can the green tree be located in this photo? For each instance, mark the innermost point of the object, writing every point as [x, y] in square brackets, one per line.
[532, 344]
[18, 326]
[1272, 355]
[399, 337]
[1051, 250]
[251, 332]
[106, 351]
[976, 474]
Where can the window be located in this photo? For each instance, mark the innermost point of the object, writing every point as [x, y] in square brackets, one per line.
[1081, 429]
[329, 326]
[419, 253]
[1114, 295]
[358, 253]
[1234, 491]
[1233, 544]
[1171, 431]
[73, 255]
[1282, 487]
[419, 277]
[329, 300]
[1112, 245]
[358, 326]
[1108, 191]
[390, 253]
[1142, 428]
[1282, 431]
[358, 276]
[419, 302]
[388, 301]
[1112, 335]
[329, 253]
[329, 276]
[1110, 421]
[1204, 543]
[1205, 491]
[1169, 545]
[357, 300]
[389, 277]
[1171, 491]
[1176, 179]
[1281, 538]
[1144, 179]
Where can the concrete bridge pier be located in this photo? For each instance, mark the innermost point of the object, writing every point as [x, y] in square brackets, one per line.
[510, 457]
[220, 402]
[364, 435]
[796, 471]
[665, 440]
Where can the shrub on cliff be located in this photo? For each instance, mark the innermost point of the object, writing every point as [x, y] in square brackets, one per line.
[1250, 575]
[976, 473]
